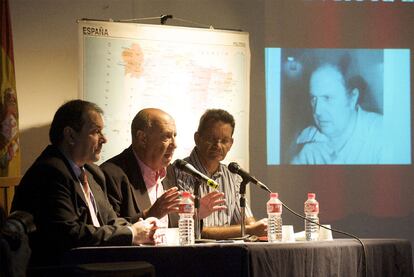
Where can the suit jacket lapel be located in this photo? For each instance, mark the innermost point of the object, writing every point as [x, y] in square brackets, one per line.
[53, 151]
[79, 190]
[167, 184]
[140, 193]
[93, 187]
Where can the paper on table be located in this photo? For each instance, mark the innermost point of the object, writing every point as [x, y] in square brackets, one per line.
[300, 236]
[324, 234]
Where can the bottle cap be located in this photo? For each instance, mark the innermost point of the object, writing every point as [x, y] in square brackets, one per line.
[311, 195]
[274, 195]
[185, 194]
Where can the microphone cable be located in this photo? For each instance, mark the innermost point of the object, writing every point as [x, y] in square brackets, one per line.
[364, 254]
[235, 168]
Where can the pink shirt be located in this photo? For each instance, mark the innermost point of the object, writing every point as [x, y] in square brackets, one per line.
[153, 181]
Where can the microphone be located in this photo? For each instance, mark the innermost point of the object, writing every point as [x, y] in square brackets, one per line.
[235, 168]
[189, 169]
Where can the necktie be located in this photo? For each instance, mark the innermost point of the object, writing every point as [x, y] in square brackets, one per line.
[89, 197]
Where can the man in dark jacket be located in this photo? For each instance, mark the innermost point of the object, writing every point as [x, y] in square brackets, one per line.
[62, 190]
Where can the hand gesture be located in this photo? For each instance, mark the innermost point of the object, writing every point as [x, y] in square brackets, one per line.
[165, 204]
[211, 203]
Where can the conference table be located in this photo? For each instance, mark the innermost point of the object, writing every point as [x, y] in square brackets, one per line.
[338, 257]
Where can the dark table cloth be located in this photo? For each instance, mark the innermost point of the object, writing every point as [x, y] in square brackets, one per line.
[340, 257]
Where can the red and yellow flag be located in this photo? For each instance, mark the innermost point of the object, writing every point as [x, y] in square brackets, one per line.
[9, 127]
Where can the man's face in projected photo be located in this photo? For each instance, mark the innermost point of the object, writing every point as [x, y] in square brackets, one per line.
[332, 106]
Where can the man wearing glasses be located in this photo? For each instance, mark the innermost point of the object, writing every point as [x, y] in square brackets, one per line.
[213, 140]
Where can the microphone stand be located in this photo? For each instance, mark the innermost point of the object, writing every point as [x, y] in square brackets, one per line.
[243, 206]
[197, 231]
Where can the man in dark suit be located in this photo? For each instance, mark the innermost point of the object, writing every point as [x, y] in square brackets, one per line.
[135, 177]
[69, 210]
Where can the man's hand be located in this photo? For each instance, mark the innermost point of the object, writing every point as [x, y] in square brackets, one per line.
[211, 203]
[143, 231]
[165, 204]
[258, 228]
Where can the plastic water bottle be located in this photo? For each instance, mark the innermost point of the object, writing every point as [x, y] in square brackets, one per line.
[186, 221]
[274, 218]
[311, 213]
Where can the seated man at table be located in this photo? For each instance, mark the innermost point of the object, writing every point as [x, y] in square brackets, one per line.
[62, 190]
[135, 177]
[214, 139]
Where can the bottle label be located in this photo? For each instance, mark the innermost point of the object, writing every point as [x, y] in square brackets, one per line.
[312, 207]
[186, 208]
[274, 208]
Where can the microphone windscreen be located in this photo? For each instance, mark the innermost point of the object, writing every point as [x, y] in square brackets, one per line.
[180, 164]
[234, 167]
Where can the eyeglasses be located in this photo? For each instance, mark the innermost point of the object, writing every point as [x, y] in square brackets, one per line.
[214, 141]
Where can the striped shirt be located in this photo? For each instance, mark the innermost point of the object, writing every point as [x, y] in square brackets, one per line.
[229, 184]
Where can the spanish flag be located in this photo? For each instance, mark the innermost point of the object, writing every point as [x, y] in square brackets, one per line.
[9, 117]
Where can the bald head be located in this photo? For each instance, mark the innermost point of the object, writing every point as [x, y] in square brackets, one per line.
[153, 137]
[145, 118]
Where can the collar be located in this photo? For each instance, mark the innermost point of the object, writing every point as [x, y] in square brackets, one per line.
[76, 169]
[153, 176]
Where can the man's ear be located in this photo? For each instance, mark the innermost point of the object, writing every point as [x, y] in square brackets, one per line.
[197, 138]
[354, 97]
[141, 138]
[69, 135]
